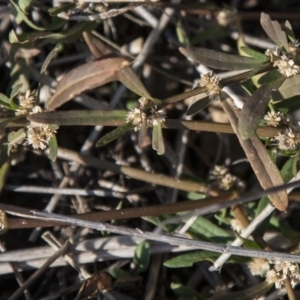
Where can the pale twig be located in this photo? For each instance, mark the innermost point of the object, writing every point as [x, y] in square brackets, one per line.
[18, 275]
[63, 191]
[219, 248]
[39, 272]
[56, 244]
[153, 275]
[252, 226]
[88, 251]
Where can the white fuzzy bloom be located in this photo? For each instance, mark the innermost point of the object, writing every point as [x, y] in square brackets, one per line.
[286, 66]
[287, 140]
[273, 118]
[136, 116]
[157, 116]
[211, 82]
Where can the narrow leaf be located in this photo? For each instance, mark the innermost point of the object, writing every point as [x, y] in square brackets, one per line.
[198, 106]
[96, 46]
[4, 169]
[80, 117]
[188, 259]
[274, 31]
[142, 140]
[142, 256]
[220, 60]
[16, 90]
[251, 293]
[7, 121]
[22, 16]
[158, 140]
[255, 54]
[289, 105]
[266, 171]
[53, 148]
[45, 65]
[4, 101]
[114, 134]
[3, 150]
[16, 137]
[290, 88]
[185, 291]
[254, 109]
[289, 31]
[129, 78]
[85, 77]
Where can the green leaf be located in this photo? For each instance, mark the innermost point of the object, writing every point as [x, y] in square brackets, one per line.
[22, 16]
[5, 122]
[255, 54]
[3, 151]
[188, 259]
[181, 33]
[158, 140]
[45, 65]
[195, 196]
[254, 109]
[251, 293]
[4, 101]
[212, 232]
[249, 86]
[269, 77]
[16, 137]
[290, 88]
[129, 78]
[80, 117]
[28, 38]
[185, 291]
[114, 134]
[24, 4]
[198, 106]
[15, 90]
[214, 32]
[4, 169]
[54, 11]
[289, 31]
[220, 60]
[142, 256]
[85, 77]
[289, 105]
[274, 31]
[53, 148]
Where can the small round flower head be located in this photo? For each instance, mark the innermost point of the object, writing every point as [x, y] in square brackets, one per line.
[226, 17]
[224, 180]
[286, 141]
[280, 271]
[211, 82]
[286, 66]
[136, 116]
[39, 137]
[26, 101]
[157, 116]
[259, 266]
[273, 118]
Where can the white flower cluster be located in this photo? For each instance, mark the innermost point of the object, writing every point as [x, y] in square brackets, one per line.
[282, 270]
[290, 139]
[138, 115]
[275, 271]
[285, 62]
[211, 82]
[224, 180]
[38, 135]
